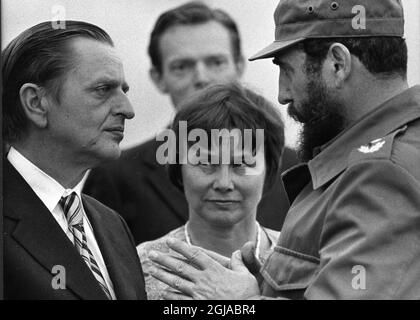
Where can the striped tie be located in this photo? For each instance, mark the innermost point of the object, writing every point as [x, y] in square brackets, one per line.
[72, 208]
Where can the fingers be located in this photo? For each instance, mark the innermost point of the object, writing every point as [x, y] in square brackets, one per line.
[172, 280]
[249, 259]
[173, 264]
[237, 263]
[171, 295]
[251, 262]
[194, 255]
[222, 260]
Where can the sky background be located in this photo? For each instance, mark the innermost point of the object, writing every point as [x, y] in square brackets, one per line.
[129, 22]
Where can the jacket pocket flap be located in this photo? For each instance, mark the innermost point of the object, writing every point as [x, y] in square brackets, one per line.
[286, 269]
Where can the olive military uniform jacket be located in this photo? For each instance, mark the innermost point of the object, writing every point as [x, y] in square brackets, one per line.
[353, 230]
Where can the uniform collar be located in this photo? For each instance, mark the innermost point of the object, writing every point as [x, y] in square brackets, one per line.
[393, 114]
[333, 158]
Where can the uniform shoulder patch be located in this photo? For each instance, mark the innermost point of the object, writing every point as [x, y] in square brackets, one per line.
[380, 148]
[373, 146]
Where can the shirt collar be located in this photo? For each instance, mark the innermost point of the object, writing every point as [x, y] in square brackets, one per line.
[46, 188]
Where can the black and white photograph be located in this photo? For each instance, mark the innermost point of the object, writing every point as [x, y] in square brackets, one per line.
[245, 150]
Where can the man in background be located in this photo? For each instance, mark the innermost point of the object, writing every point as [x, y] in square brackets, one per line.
[191, 47]
[64, 107]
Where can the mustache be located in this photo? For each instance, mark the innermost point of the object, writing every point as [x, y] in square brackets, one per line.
[308, 118]
[293, 113]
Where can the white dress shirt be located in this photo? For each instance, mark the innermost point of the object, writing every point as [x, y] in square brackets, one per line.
[49, 191]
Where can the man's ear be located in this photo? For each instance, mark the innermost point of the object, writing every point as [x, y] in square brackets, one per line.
[35, 104]
[339, 61]
[156, 77]
[240, 66]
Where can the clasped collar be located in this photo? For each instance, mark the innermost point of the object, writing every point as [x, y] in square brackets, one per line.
[390, 116]
[333, 157]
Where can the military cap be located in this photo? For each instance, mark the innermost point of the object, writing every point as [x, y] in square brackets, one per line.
[297, 20]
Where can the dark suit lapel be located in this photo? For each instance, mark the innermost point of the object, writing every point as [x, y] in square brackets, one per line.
[39, 233]
[163, 186]
[116, 256]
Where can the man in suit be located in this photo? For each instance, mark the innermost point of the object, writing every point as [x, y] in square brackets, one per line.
[191, 47]
[64, 104]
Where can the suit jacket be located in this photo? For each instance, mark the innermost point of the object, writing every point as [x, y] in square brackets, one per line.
[138, 188]
[34, 243]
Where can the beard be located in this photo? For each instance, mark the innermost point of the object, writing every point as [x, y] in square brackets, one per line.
[323, 117]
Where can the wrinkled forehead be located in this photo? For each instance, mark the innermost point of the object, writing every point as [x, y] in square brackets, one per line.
[93, 59]
[89, 53]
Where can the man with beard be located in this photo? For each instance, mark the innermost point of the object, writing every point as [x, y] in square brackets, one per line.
[322, 117]
[352, 231]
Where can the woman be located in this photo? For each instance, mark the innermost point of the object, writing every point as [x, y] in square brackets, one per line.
[223, 173]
